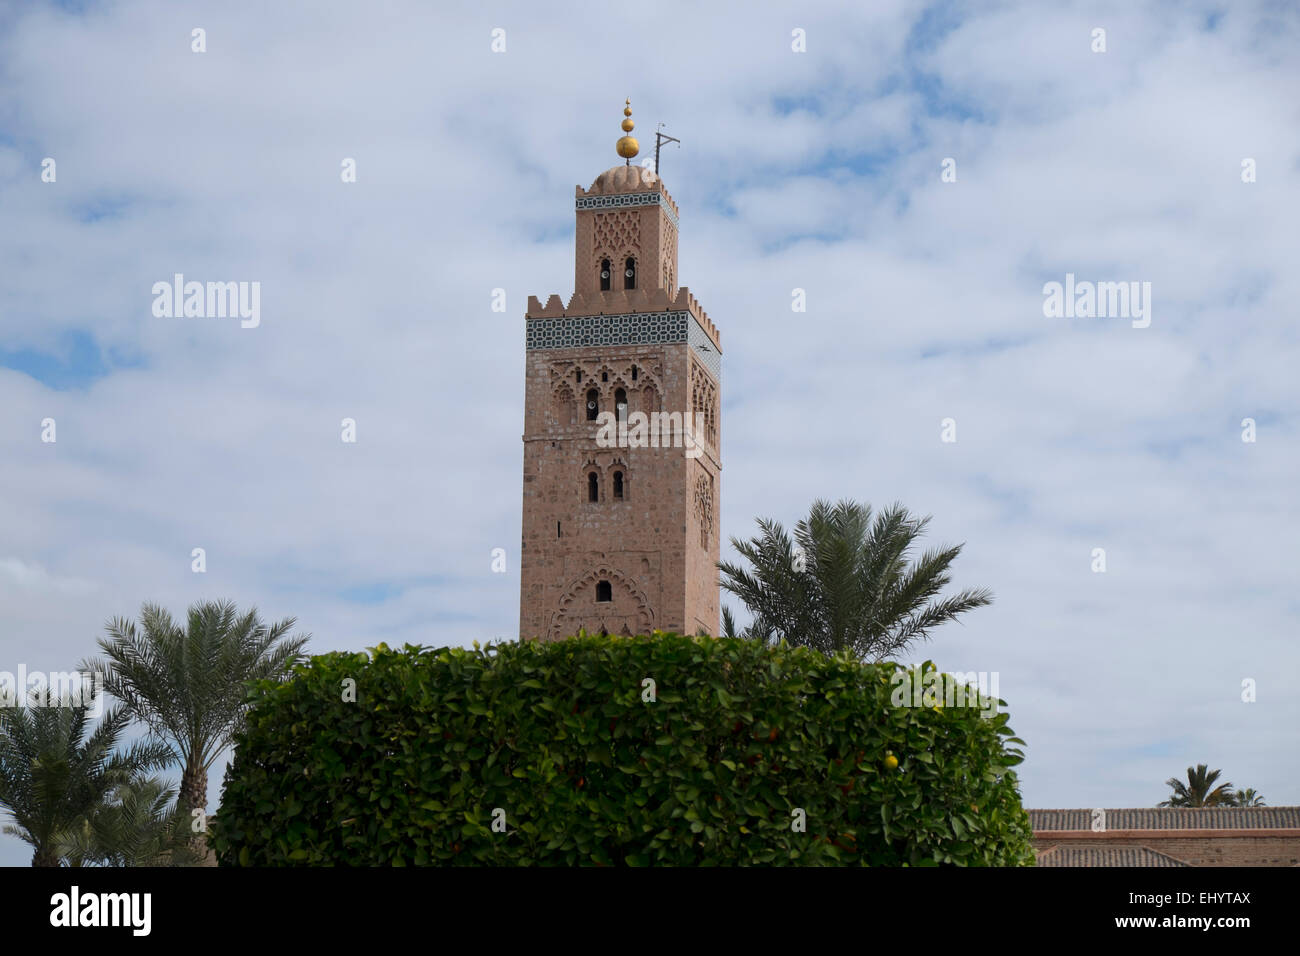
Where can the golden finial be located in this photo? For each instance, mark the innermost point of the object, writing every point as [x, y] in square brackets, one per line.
[627, 146]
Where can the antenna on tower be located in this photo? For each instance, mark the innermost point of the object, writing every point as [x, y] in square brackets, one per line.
[660, 139]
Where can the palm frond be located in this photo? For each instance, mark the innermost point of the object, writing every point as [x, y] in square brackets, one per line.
[860, 588]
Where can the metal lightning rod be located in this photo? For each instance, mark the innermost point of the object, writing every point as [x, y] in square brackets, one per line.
[660, 139]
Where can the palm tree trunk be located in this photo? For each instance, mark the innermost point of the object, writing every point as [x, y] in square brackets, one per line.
[194, 788]
[44, 857]
[193, 795]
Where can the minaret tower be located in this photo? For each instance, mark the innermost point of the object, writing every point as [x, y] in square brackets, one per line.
[620, 514]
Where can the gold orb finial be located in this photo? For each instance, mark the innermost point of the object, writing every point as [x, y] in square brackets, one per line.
[627, 146]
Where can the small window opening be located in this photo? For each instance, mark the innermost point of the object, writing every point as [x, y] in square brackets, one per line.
[593, 487]
[604, 591]
[604, 275]
[604, 376]
[634, 373]
[620, 404]
[577, 375]
[618, 484]
[557, 529]
[593, 405]
[629, 274]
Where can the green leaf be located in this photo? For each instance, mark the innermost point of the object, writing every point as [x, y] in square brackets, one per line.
[618, 781]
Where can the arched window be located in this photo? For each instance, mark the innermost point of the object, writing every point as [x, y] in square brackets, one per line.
[604, 591]
[620, 404]
[604, 275]
[618, 485]
[593, 405]
[629, 274]
[593, 487]
[634, 373]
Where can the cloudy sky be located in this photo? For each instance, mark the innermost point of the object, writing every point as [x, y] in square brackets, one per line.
[818, 170]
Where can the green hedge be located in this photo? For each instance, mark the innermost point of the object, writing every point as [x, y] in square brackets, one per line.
[556, 743]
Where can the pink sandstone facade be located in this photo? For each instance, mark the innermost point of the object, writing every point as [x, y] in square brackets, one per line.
[620, 539]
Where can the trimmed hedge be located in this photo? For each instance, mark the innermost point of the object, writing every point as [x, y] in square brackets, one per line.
[553, 753]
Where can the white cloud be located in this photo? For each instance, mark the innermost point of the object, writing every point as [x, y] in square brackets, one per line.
[1072, 433]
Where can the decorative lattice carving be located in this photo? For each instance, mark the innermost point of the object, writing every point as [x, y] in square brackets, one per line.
[669, 255]
[704, 507]
[617, 234]
[704, 403]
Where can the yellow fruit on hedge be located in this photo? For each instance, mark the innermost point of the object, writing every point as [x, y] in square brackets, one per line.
[891, 762]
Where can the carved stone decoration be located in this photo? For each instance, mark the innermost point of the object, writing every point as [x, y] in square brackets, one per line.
[628, 611]
[704, 507]
[704, 403]
[617, 236]
[565, 406]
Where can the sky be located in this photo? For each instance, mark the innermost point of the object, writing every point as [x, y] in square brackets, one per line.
[814, 144]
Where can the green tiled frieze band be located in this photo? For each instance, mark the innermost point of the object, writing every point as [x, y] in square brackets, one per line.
[637, 328]
[621, 200]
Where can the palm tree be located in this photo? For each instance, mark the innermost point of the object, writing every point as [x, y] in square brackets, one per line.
[135, 826]
[1249, 798]
[1199, 791]
[52, 776]
[190, 686]
[845, 582]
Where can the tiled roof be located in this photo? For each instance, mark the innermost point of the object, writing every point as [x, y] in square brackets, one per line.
[1171, 818]
[1106, 856]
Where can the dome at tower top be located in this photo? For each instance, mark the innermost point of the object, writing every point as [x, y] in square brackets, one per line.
[624, 179]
